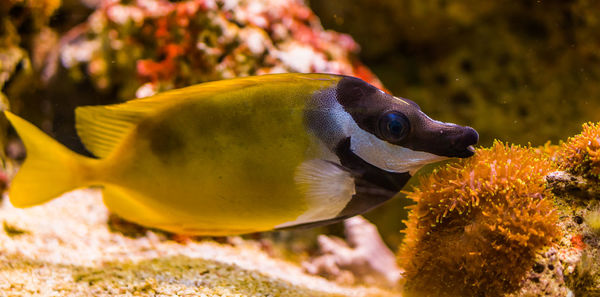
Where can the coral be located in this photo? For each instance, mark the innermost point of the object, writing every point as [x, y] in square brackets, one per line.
[580, 154]
[147, 46]
[478, 224]
[569, 186]
[364, 258]
[548, 150]
[24, 41]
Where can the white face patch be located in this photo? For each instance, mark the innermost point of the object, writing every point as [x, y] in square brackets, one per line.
[379, 153]
[387, 156]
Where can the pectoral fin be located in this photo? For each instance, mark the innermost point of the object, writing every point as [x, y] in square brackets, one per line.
[373, 186]
[327, 188]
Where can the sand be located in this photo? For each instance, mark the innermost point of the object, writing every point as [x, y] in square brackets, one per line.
[65, 248]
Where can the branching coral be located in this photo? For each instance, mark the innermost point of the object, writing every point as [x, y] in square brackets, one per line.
[580, 155]
[478, 224]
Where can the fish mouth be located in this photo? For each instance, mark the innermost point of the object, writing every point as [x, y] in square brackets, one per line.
[470, 151]
[467, 141]
[467, 152]
[471, 148]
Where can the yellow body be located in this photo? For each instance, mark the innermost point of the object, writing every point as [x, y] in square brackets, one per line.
[213, 159]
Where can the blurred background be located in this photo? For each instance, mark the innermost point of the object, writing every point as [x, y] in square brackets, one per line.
[520, 71]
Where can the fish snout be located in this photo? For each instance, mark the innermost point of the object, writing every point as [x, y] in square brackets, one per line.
[462, 144]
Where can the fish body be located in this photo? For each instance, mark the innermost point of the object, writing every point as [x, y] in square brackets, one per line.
[242, 155]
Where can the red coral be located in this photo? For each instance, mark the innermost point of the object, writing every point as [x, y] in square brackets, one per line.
[577, 242]
[163, 70]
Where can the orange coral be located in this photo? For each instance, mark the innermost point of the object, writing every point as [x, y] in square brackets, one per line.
[478, 223]
[581, 153]
[548, 149]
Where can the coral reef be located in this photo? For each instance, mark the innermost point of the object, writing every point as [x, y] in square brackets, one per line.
[65, 248]
[524, 72]
[148, 46]
[577, 201]
[478, 224]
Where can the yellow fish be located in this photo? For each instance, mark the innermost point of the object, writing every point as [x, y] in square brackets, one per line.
[242, 155]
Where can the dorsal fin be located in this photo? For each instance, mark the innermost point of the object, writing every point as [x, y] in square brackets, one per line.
[102, 128]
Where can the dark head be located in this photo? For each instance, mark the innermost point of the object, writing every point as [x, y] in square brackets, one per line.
[393, 133]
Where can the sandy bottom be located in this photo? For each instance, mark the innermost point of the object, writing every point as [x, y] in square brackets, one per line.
[65, 248]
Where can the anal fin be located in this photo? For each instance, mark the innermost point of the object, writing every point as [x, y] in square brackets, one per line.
[127, 205]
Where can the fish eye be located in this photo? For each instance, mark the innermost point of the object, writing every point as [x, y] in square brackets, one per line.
[393, 126]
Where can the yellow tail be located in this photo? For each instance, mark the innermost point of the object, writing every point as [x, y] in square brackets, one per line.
[49, 170]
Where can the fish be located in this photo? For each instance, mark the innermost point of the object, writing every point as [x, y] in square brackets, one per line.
[242, 155]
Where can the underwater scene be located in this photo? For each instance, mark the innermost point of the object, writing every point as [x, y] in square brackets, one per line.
[409, 148]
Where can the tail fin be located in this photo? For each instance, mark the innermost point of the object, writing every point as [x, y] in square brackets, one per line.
[50, 169]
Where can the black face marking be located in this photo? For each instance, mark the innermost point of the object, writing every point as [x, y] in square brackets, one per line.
[368, 107]
[373, 185]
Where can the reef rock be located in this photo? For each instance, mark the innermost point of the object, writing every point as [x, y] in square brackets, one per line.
[511, 221]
